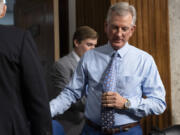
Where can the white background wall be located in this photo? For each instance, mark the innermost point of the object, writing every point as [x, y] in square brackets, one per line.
[174, 27]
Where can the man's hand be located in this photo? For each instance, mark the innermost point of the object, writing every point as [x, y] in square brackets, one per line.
[113, 99]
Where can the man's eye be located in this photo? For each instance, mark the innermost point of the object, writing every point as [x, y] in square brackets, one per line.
[114, 27]
[125, 28]
[88, 44]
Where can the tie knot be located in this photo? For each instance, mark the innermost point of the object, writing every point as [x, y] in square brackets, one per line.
[115, 54]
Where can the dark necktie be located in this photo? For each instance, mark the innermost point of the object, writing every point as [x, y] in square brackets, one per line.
[109, 84]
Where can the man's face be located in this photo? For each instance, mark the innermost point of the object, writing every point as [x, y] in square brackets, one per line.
[84, 45]
[119, 29]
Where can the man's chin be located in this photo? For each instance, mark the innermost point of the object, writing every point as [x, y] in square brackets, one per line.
[117, 45]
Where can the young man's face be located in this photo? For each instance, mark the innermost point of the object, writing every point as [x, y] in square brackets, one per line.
[84, 45]
[119, 29]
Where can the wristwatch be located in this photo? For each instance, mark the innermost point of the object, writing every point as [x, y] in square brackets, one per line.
[127, 104]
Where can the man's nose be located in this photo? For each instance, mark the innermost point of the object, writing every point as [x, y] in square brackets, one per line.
[119, 32]
[93, 46]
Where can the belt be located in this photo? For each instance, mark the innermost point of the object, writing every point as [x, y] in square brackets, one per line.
[113, 130]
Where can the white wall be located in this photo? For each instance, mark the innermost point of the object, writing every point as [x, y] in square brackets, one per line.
[174, 25]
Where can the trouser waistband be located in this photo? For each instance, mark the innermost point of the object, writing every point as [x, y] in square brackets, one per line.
[113, 130]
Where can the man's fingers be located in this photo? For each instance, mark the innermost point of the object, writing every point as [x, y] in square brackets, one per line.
[108, 101]
[108, 104]
[109, 93]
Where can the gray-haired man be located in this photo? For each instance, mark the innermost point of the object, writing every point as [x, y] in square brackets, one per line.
[136, 76]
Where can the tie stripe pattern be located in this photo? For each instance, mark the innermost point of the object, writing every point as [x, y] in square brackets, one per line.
[109, 84]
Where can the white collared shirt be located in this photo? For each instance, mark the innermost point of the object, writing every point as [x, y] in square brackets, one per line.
[76, 56]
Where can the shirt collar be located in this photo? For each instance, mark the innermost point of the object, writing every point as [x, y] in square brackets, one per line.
[77, 58]
[122, 51]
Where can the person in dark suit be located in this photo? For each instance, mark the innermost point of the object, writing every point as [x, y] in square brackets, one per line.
[23, 95]
[84, 39]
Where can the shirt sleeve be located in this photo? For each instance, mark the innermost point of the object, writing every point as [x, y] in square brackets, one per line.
[153, 100]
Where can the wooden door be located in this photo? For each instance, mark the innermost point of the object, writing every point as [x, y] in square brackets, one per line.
[152, 35]
[37, 17]
[93, 14]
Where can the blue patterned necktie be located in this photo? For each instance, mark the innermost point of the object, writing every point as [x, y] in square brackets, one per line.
[109, 84]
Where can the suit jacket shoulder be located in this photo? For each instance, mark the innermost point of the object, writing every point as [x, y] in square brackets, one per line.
[68, 61]
[62, 72]
[9, 35]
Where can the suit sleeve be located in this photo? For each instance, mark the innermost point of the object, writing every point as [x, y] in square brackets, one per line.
[60, 77]
[34, 93]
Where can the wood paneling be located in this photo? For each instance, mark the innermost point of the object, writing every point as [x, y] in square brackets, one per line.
[152, 35]
[64, 27]
[93, 13]
[37, 17]
[56, 30]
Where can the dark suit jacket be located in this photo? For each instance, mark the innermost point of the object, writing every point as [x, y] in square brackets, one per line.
[23, 96]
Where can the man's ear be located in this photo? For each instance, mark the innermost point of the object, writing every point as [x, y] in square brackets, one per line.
[76, 43]
[133, 28]
[3, 11]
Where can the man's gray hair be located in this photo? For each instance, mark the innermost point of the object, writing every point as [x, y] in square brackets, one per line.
[122, 9]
